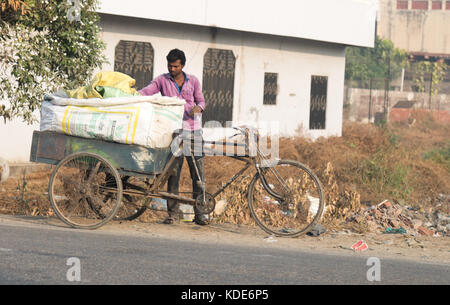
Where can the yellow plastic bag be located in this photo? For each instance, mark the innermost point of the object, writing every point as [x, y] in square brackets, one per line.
[112, 79]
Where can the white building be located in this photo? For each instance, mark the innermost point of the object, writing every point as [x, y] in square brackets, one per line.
[258, 61]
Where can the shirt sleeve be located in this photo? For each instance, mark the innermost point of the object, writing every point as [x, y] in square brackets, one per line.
[198, 95]
[152, 88]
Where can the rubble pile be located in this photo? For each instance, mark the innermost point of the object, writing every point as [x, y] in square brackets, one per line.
[389, 217]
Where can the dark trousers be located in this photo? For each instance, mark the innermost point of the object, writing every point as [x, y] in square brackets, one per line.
[174, 180]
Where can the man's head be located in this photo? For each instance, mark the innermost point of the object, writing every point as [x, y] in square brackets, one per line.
[175, 62]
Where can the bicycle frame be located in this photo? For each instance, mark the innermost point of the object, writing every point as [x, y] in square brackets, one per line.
[168, 170]
[155, 190]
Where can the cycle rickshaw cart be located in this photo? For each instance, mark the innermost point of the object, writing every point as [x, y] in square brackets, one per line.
[95, 181]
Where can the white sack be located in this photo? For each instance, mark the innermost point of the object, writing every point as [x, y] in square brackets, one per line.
[147, 121]
[61, 99]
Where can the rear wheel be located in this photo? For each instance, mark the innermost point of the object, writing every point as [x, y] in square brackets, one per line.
[132, 206]
[286, 198]
[85, 190]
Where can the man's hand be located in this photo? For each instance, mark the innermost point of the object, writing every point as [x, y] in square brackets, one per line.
[195, 110]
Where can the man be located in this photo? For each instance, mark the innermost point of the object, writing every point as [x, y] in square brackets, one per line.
[185, 86]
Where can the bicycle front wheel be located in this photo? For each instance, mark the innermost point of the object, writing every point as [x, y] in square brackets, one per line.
[285, 198]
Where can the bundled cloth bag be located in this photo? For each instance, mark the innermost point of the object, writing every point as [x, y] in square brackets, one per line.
[106, 84]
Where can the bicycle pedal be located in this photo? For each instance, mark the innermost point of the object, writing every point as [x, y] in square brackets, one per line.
[201, 185]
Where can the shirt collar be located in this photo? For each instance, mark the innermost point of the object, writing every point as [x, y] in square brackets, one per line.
[170, 76]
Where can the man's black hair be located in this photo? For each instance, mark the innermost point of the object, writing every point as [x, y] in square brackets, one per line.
[176, 54]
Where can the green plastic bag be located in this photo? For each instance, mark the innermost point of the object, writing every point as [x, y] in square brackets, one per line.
[108, 92]
[395, 231]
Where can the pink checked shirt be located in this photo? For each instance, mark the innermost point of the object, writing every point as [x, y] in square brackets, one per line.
[191, 92]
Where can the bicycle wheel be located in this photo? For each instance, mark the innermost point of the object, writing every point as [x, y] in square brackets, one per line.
[132, 206]
[286, 198]
[85, 190]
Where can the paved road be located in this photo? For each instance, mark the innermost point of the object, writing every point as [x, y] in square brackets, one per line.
[39, 255]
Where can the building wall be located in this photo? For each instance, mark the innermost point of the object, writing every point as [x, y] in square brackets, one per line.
[344, 21]
[295, 60]
[416, 30]
[15, 140]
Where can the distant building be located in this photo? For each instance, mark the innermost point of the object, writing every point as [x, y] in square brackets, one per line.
[421, 27]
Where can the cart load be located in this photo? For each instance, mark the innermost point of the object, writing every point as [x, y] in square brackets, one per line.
[106, 84]
[148, 121]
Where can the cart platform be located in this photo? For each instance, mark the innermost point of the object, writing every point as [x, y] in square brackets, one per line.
[51, 147]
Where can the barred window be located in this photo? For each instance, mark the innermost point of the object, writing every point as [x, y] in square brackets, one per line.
[135, 58]
[402, 4]
[436, 5]
[270, 88]
[318, 105]
[218, 85]
[419, 5]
